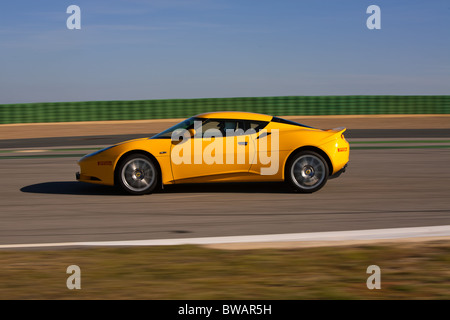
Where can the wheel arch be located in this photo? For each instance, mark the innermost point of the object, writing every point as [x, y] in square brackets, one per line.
[309, 148]
[143, 152]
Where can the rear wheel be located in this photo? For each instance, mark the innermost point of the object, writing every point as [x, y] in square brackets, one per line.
[307, 171]
[137, 174]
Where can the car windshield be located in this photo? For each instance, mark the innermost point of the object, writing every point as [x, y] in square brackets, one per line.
[167, 134]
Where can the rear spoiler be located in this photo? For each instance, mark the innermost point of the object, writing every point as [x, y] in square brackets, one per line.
[334, 133]
[337, 130]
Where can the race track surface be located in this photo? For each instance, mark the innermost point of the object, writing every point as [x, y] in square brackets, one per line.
[383, 188]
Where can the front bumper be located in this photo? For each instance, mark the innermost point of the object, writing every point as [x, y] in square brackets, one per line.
[96, 169]
[85, 178]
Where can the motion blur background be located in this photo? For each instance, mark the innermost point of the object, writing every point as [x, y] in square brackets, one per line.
[137, 67]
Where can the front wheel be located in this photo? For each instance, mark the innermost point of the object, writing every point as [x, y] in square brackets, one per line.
[137, 174]
[307, 171]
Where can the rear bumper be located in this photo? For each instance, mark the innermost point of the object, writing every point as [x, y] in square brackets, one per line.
[337, 174]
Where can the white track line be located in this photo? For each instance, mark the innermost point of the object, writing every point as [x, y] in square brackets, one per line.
[372, 234]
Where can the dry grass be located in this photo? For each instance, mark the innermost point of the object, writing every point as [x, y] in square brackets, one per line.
[408, 271]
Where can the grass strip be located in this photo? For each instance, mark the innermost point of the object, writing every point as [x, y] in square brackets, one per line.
[417, 270]
[44, 156]
[52, 150]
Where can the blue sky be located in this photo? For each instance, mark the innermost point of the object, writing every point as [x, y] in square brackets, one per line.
[157, 49]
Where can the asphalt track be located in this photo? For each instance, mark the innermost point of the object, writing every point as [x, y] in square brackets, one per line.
[382, 188]
[112, 139]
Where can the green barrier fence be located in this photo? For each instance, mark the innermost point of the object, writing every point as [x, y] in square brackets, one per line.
[183, 108]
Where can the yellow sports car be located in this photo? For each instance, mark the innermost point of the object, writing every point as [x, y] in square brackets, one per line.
[222, 147]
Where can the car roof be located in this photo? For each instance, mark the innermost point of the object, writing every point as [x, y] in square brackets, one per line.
[235, 115]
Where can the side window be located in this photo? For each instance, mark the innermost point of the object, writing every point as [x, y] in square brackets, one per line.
[230, 127]
[208, 128]
[221, 127]
[256, 125]
[210, 124]
[233, 127]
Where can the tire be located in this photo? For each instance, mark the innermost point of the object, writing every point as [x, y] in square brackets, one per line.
[137, 174]
[307, 171]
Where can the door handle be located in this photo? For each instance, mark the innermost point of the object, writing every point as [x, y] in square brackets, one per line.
[243, 143]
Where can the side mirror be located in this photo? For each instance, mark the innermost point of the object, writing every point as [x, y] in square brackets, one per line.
[192, 132]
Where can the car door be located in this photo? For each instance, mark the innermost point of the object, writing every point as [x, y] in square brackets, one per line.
[219, 147]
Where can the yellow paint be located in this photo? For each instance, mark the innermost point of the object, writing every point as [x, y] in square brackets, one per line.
[291, 138]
